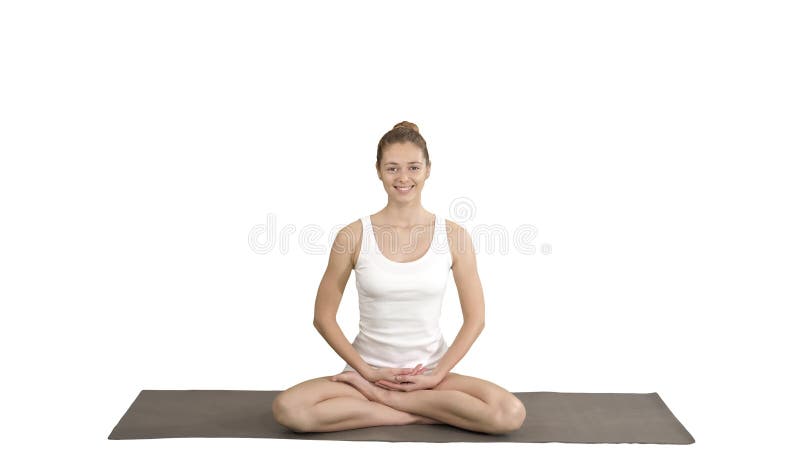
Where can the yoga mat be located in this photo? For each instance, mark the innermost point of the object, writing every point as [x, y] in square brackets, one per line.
[551, 417]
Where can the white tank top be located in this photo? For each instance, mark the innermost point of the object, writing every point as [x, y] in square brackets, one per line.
[400, 303]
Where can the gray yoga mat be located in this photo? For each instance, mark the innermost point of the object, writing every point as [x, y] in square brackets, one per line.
[551, 417]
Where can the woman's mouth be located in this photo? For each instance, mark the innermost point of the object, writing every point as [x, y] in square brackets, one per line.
[404, 189]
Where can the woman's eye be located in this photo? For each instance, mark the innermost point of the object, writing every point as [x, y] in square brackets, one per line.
[415, 168]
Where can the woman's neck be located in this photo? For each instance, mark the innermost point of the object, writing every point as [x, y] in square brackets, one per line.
[404, 217]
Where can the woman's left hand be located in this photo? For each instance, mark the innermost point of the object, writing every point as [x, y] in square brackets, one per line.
[411, 382]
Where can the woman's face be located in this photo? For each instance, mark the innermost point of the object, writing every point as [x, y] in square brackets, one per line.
[403, 165]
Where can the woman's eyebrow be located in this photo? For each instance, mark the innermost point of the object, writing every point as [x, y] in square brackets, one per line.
[396, 164]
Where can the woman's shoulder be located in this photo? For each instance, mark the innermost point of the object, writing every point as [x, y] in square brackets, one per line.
[350, 237]
[458, 239]
[455, 231]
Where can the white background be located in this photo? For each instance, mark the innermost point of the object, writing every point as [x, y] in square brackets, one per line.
[649, 143]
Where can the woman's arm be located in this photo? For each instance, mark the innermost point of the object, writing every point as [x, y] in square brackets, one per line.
[329, 296]
[470, 294]
[333, 334]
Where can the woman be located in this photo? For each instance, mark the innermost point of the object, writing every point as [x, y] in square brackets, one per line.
[398, 367]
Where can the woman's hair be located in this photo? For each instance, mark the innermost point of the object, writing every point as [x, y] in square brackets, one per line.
[403, 132]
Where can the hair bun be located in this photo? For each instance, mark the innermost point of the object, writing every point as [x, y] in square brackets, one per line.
[407, 124]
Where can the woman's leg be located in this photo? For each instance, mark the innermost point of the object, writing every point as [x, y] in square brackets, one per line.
[323, 405]
[459, 400]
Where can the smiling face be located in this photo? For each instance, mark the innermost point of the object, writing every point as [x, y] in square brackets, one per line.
[403, 170]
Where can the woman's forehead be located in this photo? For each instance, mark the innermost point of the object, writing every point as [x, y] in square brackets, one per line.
[406, 154]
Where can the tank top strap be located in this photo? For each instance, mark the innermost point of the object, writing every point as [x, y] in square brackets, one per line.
[440, 242]
[366, 236]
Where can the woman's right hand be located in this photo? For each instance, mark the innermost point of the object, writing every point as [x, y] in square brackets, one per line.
[389, 373]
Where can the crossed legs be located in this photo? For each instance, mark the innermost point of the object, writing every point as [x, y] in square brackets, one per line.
[320, 404]
[353, 402]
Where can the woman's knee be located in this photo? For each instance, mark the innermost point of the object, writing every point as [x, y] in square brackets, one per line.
[509, 415]
[291, 408]
[289, 413]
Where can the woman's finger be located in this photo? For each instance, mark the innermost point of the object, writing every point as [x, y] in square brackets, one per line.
[386, 385]
[396, 386]
[410, 370]
[405, 387]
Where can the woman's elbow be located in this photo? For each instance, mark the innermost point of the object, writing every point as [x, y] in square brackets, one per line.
[477, 324]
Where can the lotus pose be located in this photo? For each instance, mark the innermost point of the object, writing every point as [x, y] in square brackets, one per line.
[398, 368]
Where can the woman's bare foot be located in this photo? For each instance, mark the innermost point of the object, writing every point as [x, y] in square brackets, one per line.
[370, 390]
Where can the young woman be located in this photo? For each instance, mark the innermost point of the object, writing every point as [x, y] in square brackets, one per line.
[398, 367]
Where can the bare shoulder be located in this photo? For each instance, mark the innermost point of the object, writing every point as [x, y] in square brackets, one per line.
[348, 240]
[334, 280]
[459, 240]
